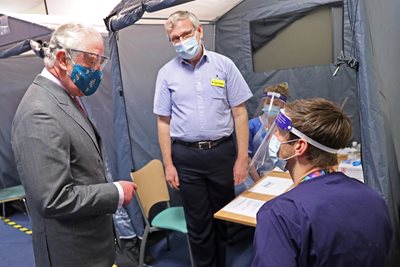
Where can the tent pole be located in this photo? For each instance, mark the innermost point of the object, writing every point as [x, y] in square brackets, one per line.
[45, 7]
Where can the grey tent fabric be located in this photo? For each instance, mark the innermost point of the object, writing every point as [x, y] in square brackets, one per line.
[304, 82]
[13, 30]
[15, 49]
[123, 149]
[15, 35]
[127, 12]
[377, 42]
[16, 75]
[12, 88]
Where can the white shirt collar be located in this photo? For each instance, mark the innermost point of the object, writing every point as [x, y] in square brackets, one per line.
[47, 74]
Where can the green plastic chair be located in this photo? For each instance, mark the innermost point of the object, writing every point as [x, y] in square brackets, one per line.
[11, 194]
[152, 189]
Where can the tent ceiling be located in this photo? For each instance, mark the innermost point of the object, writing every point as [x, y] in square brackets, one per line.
[93, 11]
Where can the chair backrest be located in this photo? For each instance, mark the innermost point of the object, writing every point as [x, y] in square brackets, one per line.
[151, 185]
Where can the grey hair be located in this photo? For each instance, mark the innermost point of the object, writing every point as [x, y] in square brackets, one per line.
[70, 36]
[178, 16]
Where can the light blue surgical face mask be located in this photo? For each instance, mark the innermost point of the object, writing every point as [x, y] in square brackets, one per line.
[273, 111]
[188, 49]
[269, 114]
[273, 149]
[87, 80]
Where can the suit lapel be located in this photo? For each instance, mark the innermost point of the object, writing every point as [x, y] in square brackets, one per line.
[65, 102]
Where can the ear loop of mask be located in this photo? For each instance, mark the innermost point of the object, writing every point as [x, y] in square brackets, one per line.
[286, 142]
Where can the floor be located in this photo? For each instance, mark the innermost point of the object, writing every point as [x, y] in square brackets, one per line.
[16, 245]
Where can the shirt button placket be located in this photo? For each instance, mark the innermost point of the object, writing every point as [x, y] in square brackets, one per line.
[200, 101]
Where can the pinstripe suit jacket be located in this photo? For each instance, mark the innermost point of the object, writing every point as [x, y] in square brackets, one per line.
[59, 161]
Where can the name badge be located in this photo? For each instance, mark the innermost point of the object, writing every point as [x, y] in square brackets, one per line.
[219, 83]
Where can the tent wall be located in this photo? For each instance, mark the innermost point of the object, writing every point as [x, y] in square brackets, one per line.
[378, 42]
[16, 74]
[304, 82]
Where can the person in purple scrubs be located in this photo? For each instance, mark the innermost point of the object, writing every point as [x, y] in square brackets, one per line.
[326, 218]
[200, 100]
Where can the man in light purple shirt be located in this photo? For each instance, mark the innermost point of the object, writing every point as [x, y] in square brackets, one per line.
[200, 100]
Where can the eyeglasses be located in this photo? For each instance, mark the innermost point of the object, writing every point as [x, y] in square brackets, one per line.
[184, 36]
[91, 60]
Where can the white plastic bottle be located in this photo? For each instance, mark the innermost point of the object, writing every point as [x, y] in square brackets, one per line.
[353, 151]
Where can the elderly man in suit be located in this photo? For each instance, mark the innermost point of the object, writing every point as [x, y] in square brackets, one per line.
[59, 156]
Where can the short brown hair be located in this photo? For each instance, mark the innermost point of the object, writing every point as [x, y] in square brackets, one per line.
[281, 88]
[324, 122]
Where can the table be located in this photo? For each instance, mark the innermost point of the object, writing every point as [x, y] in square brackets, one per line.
[236, 217]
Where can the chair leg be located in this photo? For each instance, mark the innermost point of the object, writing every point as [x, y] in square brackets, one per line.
[190, 251]
[26, 207]
[143, 246]
[168, 242]
[4, 209]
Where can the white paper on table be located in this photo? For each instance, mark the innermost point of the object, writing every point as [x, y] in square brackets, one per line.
[272, 186]
[276, 169]
[244, 206]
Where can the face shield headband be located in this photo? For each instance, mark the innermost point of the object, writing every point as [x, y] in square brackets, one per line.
[275, 95]
[271, 107]
[284, 125]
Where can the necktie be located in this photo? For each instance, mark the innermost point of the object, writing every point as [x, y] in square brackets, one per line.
[79, 106]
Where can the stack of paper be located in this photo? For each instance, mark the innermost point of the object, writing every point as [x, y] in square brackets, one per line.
[272, 186]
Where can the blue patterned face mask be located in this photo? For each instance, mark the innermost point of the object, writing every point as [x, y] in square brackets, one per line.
[188, 49]
[87, 80]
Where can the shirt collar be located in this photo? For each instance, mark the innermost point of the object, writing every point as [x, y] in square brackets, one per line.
[47, 74]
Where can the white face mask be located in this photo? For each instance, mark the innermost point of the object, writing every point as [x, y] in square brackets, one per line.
[273, 149]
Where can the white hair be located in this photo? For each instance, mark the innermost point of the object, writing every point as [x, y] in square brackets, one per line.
[178, 16]
[70, 36]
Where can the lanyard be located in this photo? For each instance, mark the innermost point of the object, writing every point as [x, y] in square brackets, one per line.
[314, 175]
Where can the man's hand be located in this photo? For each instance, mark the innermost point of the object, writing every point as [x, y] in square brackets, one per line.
[239, 114]
[171, 175]
[240, 172]
[129, 190]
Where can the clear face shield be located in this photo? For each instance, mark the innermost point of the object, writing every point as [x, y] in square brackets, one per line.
[266, 158]
[272, 102]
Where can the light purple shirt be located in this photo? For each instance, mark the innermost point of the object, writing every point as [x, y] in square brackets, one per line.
[199, 99]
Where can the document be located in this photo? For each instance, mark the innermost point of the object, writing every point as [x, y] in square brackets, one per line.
[244, 206]
[276, 169]
[272, 186]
